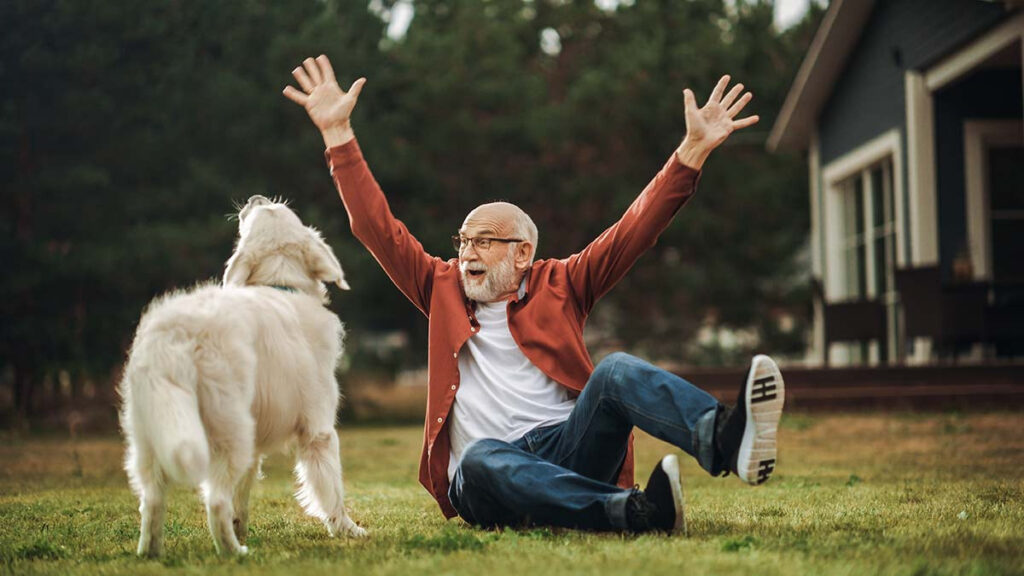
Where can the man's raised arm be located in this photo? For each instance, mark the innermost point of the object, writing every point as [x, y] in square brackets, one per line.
[598, 267]
[386, 237]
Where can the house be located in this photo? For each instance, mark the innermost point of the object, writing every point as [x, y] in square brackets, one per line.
[910, 113]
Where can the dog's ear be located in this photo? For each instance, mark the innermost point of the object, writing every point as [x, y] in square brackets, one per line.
[239, 267]
[321, 262]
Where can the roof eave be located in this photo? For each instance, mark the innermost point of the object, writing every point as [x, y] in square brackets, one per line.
[835, 39]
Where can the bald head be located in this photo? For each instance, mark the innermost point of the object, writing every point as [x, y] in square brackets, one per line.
[501, 220]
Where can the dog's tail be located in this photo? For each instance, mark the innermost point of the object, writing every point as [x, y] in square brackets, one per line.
[161, 407]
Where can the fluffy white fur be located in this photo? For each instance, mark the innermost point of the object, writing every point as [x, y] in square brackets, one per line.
[219, 375]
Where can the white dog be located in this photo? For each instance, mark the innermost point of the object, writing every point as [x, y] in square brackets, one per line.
[219, 375]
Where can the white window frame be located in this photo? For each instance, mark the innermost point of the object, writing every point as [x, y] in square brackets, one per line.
[858, 161]
[888, 145]
[816, 352]
[979, 135]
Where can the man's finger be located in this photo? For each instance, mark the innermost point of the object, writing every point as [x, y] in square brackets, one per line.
[325, 68]
[689, 100]
[303, 79]
[731, 96]
[743, 123]
[295, 96]
[739, 105]
[716, 94]
[313, 70]
[357, 87]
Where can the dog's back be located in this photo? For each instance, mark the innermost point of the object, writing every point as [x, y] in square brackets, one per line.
[198, 356]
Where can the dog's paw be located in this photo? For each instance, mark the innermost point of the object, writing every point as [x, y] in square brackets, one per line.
[243, 551]
[344, 526]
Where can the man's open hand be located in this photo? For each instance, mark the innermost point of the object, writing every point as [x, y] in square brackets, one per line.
[328, 106]
[708, 127]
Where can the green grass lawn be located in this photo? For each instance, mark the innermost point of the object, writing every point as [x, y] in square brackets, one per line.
[853, 494]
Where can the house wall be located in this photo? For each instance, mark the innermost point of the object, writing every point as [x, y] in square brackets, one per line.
[869, 97]
[986, 94]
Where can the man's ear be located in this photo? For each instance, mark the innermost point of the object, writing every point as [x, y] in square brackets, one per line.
[524, 255]
[321, 262]
[238, 268]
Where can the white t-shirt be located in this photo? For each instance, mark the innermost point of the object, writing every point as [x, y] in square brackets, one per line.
[501, 393]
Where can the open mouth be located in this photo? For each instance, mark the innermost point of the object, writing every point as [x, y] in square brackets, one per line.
[475, 273]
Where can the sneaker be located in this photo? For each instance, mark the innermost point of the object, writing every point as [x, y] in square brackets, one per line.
[660, 506]
[746, 433]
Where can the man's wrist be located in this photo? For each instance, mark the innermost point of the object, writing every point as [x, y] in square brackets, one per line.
[692, 154]
[338, 135]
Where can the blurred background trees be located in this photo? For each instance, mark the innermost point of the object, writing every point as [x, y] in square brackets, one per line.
[128, 129]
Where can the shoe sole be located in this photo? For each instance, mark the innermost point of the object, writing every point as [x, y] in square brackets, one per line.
[670, 466]
[764, 397]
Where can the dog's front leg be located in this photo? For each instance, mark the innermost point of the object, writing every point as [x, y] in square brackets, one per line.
[219, 517]
[153, 508]
[241, 502]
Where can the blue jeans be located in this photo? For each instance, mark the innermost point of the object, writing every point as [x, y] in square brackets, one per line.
[565, 474]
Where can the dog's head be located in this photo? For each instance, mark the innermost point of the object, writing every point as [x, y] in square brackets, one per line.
[276, 249]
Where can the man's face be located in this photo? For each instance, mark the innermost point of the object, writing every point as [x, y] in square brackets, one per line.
[493, 273]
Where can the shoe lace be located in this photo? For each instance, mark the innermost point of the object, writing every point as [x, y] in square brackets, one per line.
[638, 510]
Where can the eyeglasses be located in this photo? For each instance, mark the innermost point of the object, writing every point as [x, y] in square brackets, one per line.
[480, 242]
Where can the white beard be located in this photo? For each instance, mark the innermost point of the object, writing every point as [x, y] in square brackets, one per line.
[496, 281]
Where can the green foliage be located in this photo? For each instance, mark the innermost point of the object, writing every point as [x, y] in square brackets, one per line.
[131, 127]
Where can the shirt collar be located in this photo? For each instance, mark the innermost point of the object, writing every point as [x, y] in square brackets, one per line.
[521, 293]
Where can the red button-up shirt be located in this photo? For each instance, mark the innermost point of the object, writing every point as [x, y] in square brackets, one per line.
[546, 319]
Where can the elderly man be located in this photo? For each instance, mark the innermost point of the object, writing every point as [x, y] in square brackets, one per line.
[521, 428]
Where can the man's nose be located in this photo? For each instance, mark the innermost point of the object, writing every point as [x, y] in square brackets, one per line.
[468, 251]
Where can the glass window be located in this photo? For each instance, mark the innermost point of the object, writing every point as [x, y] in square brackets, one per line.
[1006, 189]
[854, 256]
[878, 216]
[868, 247]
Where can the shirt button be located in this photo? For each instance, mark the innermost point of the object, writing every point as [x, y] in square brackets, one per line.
[455, 354]
[439, 420]
[453, 386]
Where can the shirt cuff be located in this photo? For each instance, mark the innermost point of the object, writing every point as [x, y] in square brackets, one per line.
[679, 174]
[348, 154]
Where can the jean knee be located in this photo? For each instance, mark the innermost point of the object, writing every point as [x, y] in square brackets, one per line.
[609, 368]
[478, 461]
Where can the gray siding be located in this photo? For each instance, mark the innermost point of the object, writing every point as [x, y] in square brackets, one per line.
[900, 35]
